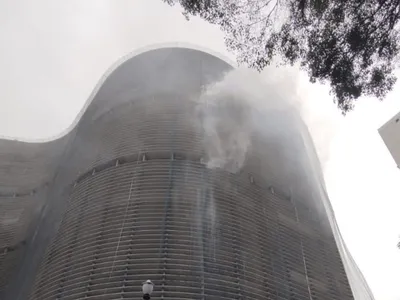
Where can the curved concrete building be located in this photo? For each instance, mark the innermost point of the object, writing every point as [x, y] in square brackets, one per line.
[127, 196]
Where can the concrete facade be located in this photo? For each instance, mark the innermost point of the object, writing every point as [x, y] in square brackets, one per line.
[125, 196]
[390, 133]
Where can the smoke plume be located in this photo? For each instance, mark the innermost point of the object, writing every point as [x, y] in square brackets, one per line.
[232, 110]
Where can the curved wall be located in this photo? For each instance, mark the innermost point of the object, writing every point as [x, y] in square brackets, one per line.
[129, 198]
[26, 171]
[64, 160]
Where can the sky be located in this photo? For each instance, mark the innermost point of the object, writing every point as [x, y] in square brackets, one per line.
[52, 54]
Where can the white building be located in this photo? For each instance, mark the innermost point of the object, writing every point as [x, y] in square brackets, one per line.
[390, 133]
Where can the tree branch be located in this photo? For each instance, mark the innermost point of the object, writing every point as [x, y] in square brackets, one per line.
[267, 17]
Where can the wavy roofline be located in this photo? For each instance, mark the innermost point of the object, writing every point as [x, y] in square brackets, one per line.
[108, 72]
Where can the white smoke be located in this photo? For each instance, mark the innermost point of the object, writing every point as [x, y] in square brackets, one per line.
[246, 102]
[227, 122]
[230, 110]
